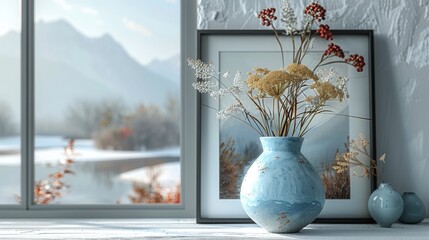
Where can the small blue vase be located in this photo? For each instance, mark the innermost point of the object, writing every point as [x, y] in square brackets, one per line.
[281, 191]
[385, 205]
[414, 209]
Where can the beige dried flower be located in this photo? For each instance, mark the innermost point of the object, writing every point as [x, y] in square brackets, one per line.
[383, 158]
[263, 71]
[276, 82]
[272, 83]
[353, 157]
[362, 142]
[326, 91]
[254, 78]
[253, 81]
[301, 72]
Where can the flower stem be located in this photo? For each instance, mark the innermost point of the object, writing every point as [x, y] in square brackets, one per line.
[280, 44]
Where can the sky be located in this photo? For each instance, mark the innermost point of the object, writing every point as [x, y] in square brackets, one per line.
[10, 16]
[147, 29]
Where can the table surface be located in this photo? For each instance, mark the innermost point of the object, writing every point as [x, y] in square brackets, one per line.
[187, 229]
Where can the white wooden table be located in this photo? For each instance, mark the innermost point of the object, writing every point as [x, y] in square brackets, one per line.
[187, 229]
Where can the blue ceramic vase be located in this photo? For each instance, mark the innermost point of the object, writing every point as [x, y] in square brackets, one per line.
[414, 209]
[281, 191]
[385, 205]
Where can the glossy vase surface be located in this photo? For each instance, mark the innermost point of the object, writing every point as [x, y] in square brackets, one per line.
[281, 191]
[414, 209]
[385, 205]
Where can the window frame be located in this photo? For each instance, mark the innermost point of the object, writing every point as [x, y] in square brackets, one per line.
[187, 207]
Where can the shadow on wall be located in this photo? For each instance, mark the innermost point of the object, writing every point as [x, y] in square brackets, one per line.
[390, 126]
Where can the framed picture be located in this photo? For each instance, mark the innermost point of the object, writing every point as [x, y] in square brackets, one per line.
[228, 147]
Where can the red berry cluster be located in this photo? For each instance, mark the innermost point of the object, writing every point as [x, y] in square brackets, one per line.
[325, 32]
[267, 16]
[357, 61]
[316, 11]
[334, 50]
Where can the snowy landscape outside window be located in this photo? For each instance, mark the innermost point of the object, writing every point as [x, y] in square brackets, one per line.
[106, 102]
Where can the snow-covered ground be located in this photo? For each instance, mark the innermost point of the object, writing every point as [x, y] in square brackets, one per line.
[102, 176]
[51, 149]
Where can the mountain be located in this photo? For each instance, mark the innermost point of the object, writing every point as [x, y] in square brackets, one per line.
[168, 68]
[70, 67]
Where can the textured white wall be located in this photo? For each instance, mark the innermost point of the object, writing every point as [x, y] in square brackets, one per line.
[401, 72]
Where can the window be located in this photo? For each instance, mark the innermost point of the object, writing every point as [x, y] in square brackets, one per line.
[103, 109]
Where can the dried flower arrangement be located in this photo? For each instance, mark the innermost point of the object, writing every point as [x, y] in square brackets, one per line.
[351, 158]
[287, 99]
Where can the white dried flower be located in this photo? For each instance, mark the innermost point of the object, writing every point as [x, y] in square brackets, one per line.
[229, 111]
[212, 87]
[312, 102]
[310, 46]
[218, 93]
[325, 75]
[225, 75]
[205, 86]
[202, 70]
[237, 79]
[342, 85]
[306, 21]
[237, 84]
[288, 18]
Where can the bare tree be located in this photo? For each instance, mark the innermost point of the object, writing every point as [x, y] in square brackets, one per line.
[153, 129]
[88, 117]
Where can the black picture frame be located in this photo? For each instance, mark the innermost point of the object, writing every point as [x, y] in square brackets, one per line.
[373, 181]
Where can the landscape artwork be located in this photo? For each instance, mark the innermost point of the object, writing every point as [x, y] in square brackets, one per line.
[240, 146]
